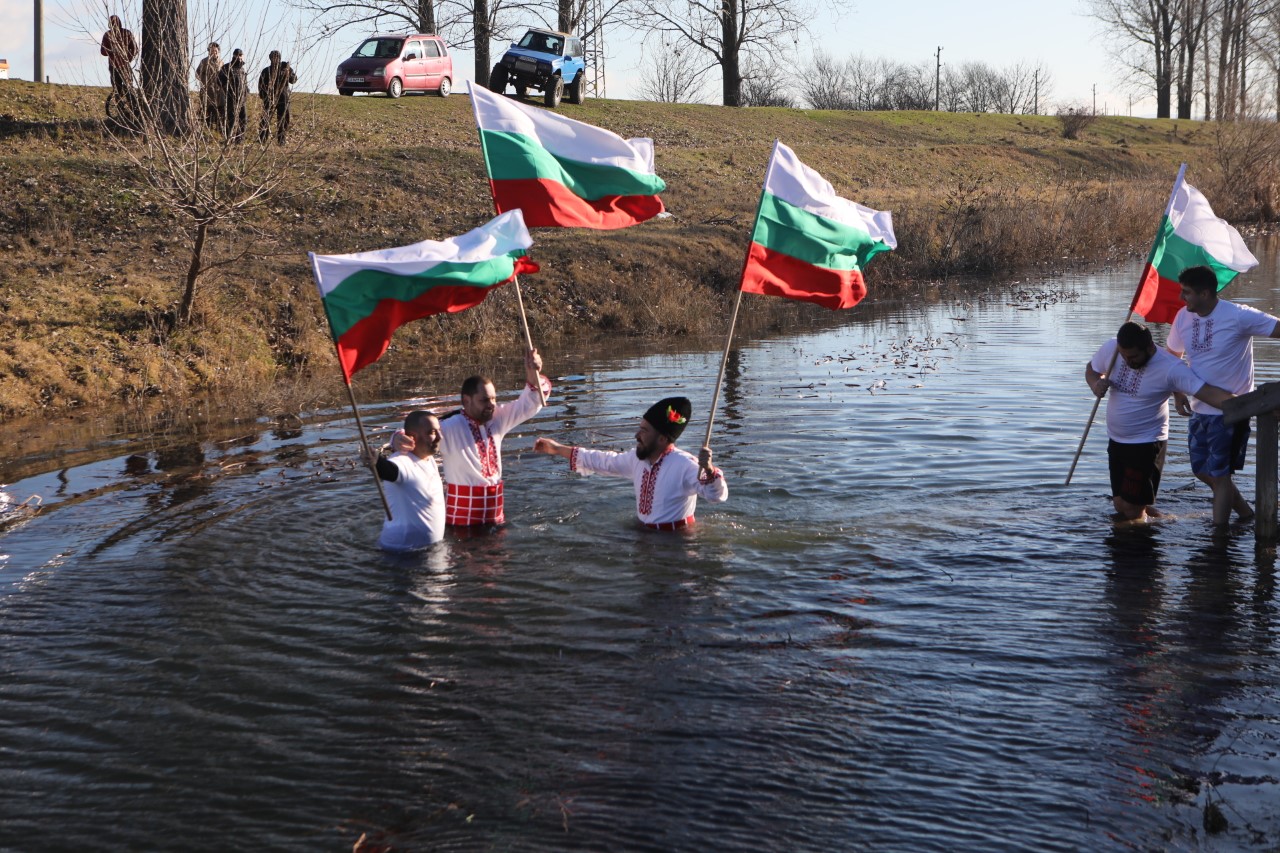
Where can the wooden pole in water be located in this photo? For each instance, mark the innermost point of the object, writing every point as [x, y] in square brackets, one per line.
[364, 445]
[1266, 453]
[1097, 401]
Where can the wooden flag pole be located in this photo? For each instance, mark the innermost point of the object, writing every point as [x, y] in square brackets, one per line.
[528, 339]
[1097, 401]
[737, 303]
[364, 444]
[355, 410]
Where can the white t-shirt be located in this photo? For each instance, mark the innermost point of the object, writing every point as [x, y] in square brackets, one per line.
[1138, 400]
[416, 498]
[1220, 347]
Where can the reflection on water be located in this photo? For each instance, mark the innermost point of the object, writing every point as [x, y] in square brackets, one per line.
[900, 633]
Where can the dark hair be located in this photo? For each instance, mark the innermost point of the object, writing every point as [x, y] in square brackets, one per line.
[275, 54]
[213, 44]
[1199, 278]
[414, 419]
[472, 384]
[1134, 336]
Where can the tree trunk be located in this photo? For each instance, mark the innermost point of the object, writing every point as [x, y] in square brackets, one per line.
[165, 66]
[426, 16]
[564, 16]
[193, 273]
[480, 30]
[730, 57]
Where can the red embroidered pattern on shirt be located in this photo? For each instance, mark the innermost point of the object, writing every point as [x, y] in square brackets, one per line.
[647, 483]
[486, 448]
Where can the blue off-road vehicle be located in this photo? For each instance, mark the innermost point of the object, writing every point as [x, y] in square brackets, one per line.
[545, 60]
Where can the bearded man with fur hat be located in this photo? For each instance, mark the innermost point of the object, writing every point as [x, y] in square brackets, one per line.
[668, 481]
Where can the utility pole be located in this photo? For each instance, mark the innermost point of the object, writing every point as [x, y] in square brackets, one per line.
[1095, 98]
[1035, 99]
[39, 45]
[937, 81]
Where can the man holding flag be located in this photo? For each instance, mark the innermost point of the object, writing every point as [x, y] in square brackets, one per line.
[668, 481]
[1216, 336]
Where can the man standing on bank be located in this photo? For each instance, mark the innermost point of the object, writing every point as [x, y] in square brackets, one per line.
[273, 89]
[414, 491]
[471, 445]
[119, 47]
[668, 481]
[1138, 413]
[1216, 336]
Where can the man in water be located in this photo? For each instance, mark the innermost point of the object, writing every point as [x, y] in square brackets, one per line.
[1216, 336]
[1138, 413]
[668, 481]
[471, 445]
[413, 488]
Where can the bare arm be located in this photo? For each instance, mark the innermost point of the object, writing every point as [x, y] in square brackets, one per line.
[552, 448]
[1095, 380]
[1213, 395]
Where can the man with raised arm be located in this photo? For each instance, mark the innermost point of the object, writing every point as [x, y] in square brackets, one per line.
[471, 445]
[1216, 337]
[1138, 412]
[413, 488]
[668, 481]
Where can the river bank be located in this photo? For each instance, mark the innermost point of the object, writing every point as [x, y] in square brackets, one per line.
[93, 263]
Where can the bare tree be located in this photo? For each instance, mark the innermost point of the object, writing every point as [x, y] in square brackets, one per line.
[765, 86]
[1193, 16]
[419, 16]
[165, 64]
[729, 31]
[672, 76]
[1014, 89]
[1143, 34]
[826, 84]
[207, 176]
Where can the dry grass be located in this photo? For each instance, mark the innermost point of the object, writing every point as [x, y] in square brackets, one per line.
[91, 266]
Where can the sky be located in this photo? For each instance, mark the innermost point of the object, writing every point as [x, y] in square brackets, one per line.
[1069, 43]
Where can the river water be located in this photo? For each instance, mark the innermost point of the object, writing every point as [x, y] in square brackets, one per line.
[902, 631]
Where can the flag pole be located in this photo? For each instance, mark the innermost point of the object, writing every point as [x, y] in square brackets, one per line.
[1097, 401]
[737, 303]
[484, 154]
[346, 380]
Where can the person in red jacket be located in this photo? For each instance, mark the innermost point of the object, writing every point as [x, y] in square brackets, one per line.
[120, 48]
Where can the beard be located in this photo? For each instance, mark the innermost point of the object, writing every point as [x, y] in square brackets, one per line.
[644, 451]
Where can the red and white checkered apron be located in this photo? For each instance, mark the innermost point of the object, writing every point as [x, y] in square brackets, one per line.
[468, 505]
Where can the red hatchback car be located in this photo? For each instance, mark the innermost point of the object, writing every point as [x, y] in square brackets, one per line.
[395, 64]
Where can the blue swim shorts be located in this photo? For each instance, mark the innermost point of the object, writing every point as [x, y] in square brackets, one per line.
[1215, 448]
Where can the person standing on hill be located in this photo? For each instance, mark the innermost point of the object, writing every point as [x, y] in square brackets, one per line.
[273, 89]
[1216, 337]
[1143, 377]
[119, 47]
[212, 98]
[414, 491]
[668, 481]
[235, 91]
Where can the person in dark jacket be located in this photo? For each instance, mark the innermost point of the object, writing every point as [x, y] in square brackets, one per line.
[273, 89]
[212, 98]
[235, 88]
[119, 47]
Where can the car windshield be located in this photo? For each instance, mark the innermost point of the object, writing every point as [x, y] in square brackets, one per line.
[541, 42]
[379, 49]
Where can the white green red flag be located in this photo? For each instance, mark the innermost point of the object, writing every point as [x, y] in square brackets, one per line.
[1190, 235]
[561, 172]
[809, 243]
[368, 295]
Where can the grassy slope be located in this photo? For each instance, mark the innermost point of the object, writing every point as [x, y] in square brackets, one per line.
[88, 264]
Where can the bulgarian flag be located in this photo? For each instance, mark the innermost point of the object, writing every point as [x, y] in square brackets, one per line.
[561, 172]
[368, 295]
[808, 242]
[1190, 235]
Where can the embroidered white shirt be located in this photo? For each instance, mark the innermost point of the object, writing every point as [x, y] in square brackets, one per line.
[666, 491]
[472, 452]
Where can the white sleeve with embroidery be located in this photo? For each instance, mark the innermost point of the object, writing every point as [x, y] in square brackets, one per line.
[586, 461]
[508, 416]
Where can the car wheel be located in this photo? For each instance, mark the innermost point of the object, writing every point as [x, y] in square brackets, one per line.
[395, 89]
[498, 79]
[576, 95]
[521, 91]
[344, 92]
[554, 92]
[446, 86]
